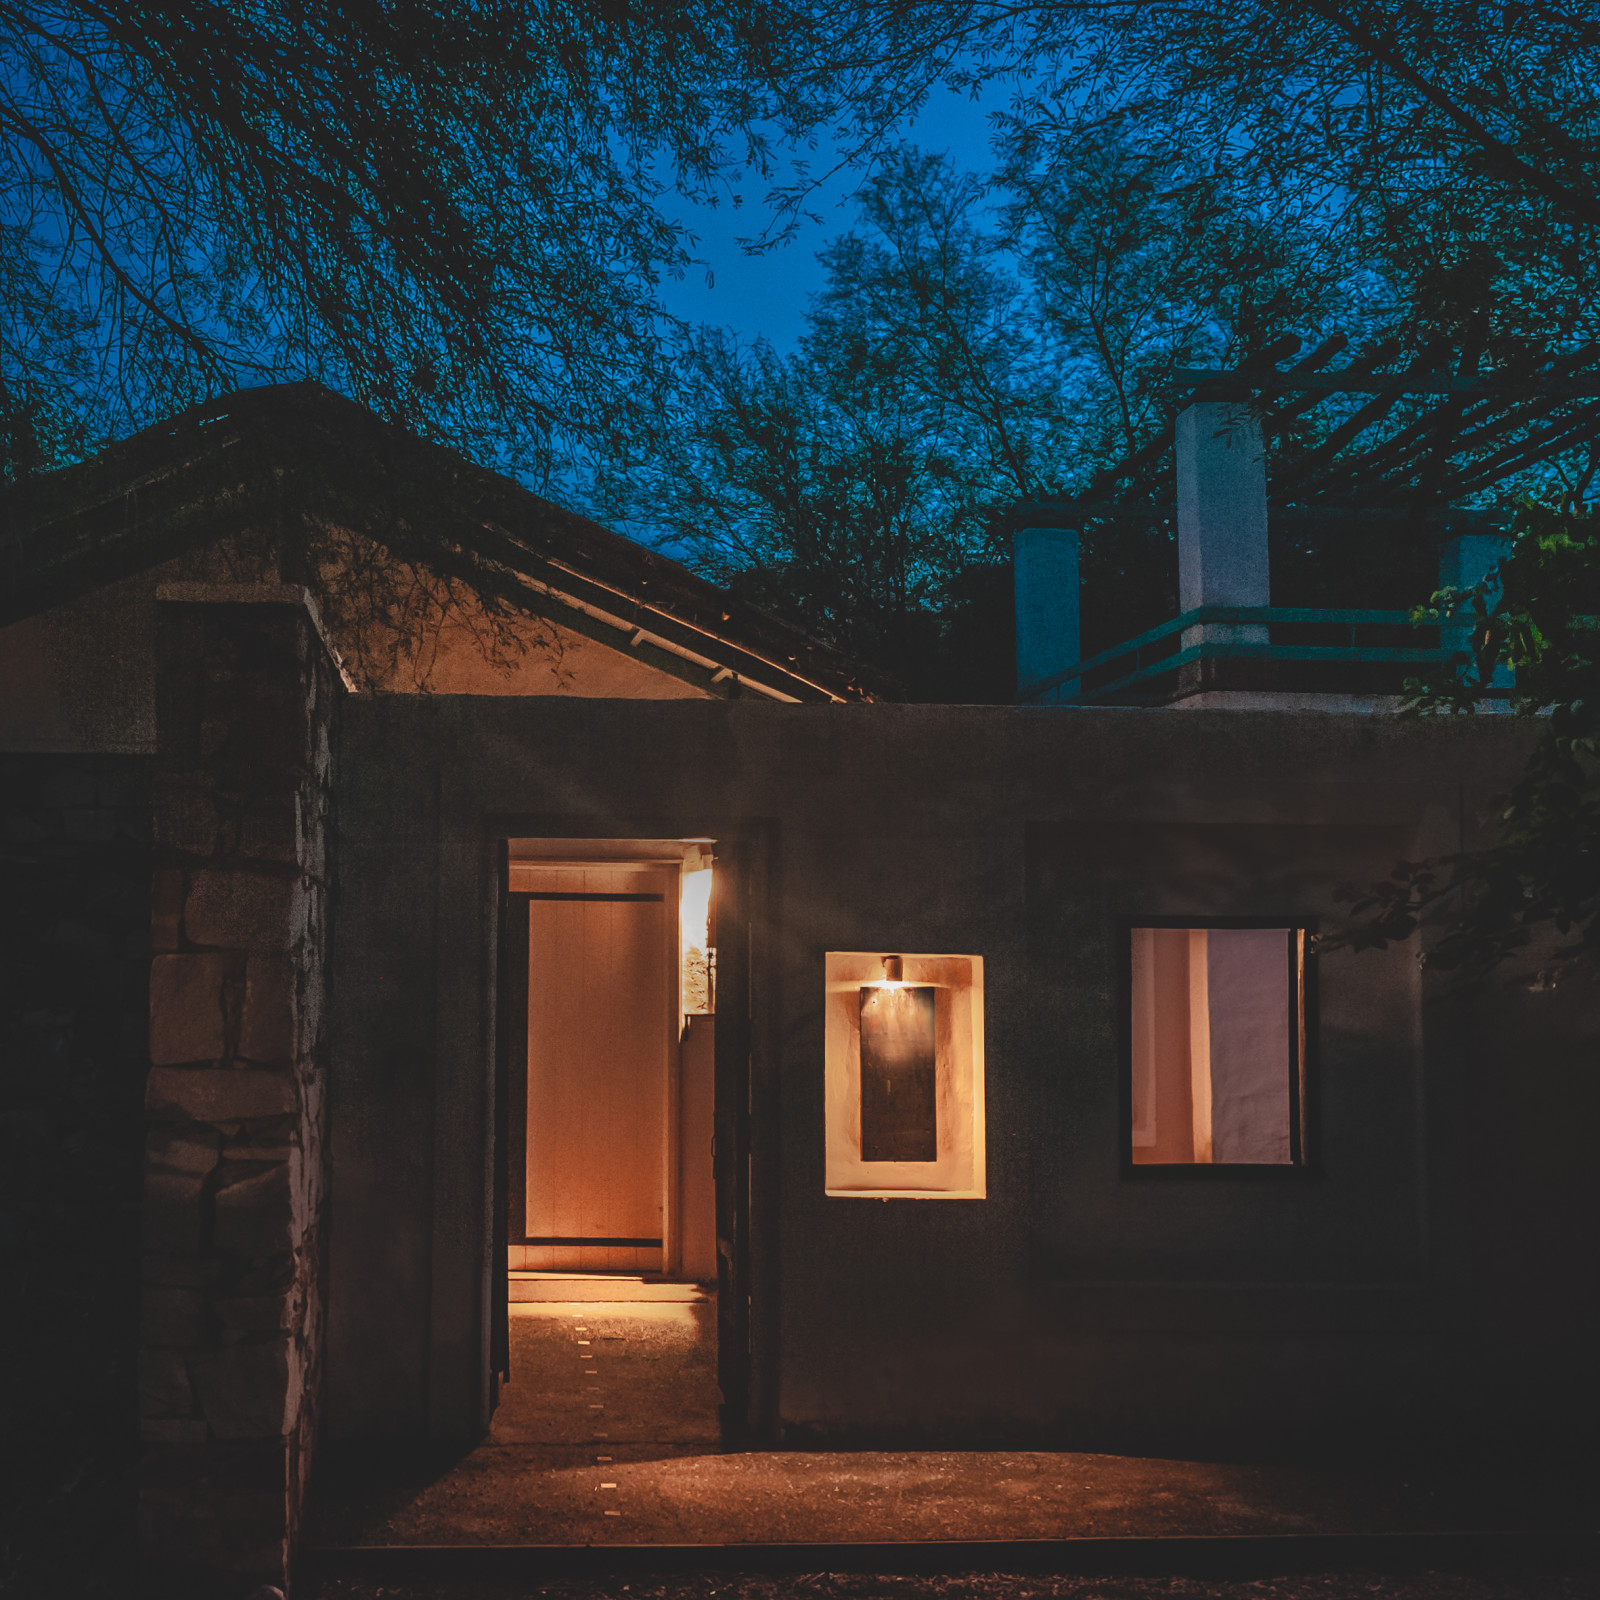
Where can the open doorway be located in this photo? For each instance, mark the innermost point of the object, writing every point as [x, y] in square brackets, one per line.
[608, 1195]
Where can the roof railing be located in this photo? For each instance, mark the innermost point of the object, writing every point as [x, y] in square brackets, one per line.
[1152, 655]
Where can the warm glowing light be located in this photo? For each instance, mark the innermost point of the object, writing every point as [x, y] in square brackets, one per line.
[694, 915]
[694, 908]
[899, 1120]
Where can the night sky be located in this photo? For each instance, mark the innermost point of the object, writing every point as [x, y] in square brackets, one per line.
[767, 294]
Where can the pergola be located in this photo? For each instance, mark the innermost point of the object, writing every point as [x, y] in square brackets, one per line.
[1402, 456]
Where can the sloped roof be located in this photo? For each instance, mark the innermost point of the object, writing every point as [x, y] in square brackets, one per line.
[297, 450]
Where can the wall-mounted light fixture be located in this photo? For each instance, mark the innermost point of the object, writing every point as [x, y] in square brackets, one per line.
[696, 957]
[904, 1076]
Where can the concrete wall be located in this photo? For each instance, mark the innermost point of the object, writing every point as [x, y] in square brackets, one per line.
[1077, 1304]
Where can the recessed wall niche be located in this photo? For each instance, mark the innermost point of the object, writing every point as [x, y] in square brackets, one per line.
[904, 1076]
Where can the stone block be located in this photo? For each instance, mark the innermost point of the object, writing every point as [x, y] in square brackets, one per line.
[214, 733]
[269, 1275]
[171, 1317]
[164, 1389]
[186, 1472]
[173, 1218]
[254, 1215]
[268, 1031]
[264, 730]
[264, 1141]
[254, 1316]
[178, 1519]
[182, 1149]
[166, 908]
[187, 1019]
[218, 1094]
[244, 910]
[269, 1563]
[250, 1466]
[179, 1271]
[272, 832]
[173, 1430]
[244, 1389]
[185, 820]
[255, 1519]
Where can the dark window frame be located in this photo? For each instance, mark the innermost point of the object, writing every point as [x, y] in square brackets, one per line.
[1303, 1141]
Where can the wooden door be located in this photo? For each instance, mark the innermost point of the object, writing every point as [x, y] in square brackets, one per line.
[601, 1006]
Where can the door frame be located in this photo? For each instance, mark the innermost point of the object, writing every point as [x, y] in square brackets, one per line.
[743, 1014]
[515, 1098]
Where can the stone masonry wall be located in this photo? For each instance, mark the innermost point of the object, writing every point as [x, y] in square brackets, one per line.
[74, 974]
[235, 1180]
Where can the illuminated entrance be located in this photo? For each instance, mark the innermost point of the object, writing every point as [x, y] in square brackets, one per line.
[612, 1062]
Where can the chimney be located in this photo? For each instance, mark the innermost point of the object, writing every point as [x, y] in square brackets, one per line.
[1222, 517]
[1045, 580]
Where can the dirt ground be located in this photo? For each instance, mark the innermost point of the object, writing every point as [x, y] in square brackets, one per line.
[608, 1434]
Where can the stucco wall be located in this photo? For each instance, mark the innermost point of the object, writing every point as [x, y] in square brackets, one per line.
[74, 985]
[1076, 1304]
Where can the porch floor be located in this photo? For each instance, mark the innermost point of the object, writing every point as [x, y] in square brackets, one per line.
[607, 1434]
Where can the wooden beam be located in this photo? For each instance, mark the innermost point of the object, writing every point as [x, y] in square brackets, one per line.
[1375, 409]
[1380, 467]
[1563, 435]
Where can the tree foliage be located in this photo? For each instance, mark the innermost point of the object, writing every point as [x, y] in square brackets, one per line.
[1457, 145]
[1532, 894]
[977, 341]
[857, 484]
[447, 212]
[1175, 185]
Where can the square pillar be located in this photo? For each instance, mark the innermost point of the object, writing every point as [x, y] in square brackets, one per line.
[235, 1173]
[1045, 579]
[1465, 560]
[1222, 517]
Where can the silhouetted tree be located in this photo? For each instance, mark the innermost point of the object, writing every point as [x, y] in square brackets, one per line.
[859, 484]
[447, 212]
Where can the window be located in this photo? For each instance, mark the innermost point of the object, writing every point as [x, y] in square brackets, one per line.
[904, 1076]
[1216, 1041]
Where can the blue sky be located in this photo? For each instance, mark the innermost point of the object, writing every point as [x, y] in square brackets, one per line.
[767, 294]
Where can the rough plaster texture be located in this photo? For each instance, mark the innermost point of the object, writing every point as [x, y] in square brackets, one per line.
[1222, 515]
[1079, 1304]
[235, 1185]
[74, 971]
